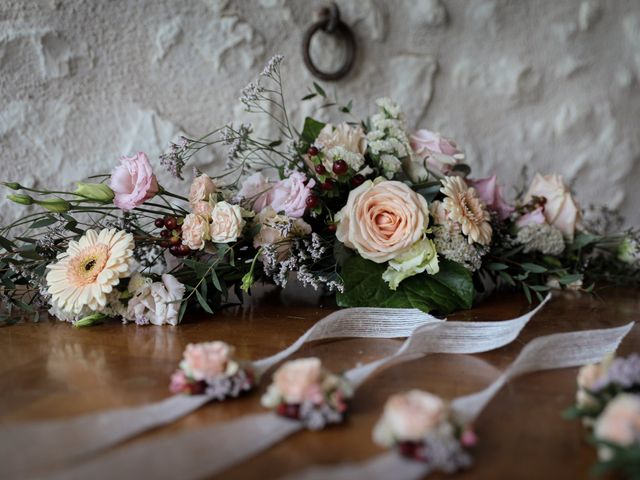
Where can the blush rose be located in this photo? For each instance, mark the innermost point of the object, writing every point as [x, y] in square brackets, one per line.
[381, 219]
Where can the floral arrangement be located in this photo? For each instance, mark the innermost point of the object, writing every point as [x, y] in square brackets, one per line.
[209, 368]
[419, 426]
[608, 401]
[365, 208]
[303, 390]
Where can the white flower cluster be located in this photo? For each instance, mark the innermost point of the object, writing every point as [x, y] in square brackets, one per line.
[452, 245]
[544, 238]
[387, 139]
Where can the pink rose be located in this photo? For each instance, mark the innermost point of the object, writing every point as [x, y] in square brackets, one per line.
[381, 219]
[298, 379]
[410, 416]
[491, 193]
[256, 190]
[195, 231]
[204, 361]
[619, 423]
[534, 217]
[425, 141]
[201, 188]
[133, 182]
[560, 209]
[290, 195]
[431, 152]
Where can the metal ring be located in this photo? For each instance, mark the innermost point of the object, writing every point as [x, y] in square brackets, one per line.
[330, 23]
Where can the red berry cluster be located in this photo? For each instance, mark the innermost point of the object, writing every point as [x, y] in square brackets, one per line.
[289, 410]
[171, 236]
[340, 168]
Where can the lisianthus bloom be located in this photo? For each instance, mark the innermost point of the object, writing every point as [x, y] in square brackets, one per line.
[410, 416]
[256, 190]
[431, 152]
[381, 219]
[463, 206]
[205, 361]
[277, 231]
[560, 209]
[88, 270]
[133, 182]
[156, 302]
[619, 423]
[201, 188]
[491, 194]
[195, 231]
[226, 223]
[420, 257]
[290, 195]
[342, 142]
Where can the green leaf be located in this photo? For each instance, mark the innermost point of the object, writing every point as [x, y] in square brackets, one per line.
[533, 268]
[183, 308]
[203, 303]
[496, 266]
[582, 240]
[215, 280]
[311, 130]
[43, 222]
[308, 96]
[566, 280]
[319, 89]
[199, 268]
[450, 289]
[347, 107]
[6, 244]
[527, 292]
[507, 278]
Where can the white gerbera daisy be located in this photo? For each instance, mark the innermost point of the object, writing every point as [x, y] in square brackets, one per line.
[464, 207]
[87, 272]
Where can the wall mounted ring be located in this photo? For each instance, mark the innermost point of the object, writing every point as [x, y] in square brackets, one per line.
[330, 23]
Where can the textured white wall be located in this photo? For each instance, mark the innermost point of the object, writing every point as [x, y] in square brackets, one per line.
[549, 83]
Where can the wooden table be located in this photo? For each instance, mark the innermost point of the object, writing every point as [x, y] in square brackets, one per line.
[51, 370]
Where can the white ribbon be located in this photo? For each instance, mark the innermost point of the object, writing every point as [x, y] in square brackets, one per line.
[66, 439]
[211, 450]
[560, 350]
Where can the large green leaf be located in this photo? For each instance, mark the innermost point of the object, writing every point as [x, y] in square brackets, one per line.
[311, 130]
[450, 289]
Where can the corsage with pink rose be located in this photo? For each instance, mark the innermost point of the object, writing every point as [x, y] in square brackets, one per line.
[608, 402]
[364, 208]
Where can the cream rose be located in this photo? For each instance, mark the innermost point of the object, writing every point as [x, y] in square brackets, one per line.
[410, 416]
[381, 219]
[560, 209]
[201, 188]
[202, 208]
[619, 423]
[296, 379]
[205, 361]
[226, 223]
[195, 231]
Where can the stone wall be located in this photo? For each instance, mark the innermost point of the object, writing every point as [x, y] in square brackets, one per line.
[546, 83]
